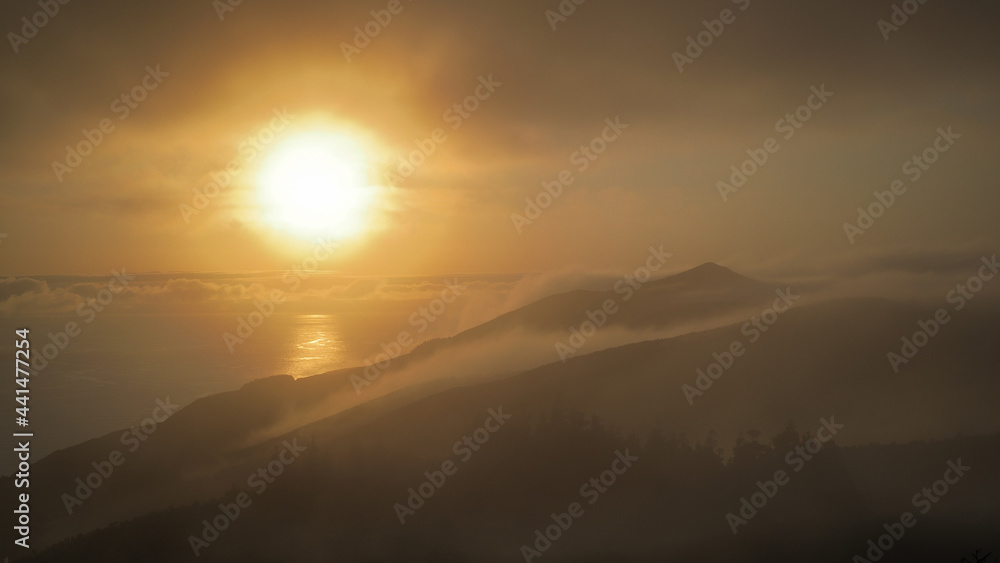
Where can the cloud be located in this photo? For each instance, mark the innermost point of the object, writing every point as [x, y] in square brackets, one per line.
[233, 293]
[32, 296]
[12, 287]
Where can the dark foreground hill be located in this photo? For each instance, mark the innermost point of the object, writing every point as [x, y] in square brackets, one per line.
[675, 501]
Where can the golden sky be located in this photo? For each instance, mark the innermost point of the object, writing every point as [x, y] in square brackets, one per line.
[220, 80]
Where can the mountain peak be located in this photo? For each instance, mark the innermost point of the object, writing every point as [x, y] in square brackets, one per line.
[707, 275]
[710, 267]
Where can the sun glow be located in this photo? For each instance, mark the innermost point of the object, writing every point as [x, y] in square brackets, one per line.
[317, 184]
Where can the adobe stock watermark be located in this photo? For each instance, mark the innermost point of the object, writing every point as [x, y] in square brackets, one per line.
[248, 149]
[263, 309]
[914, 168]
[925, 499]
[566, 8]
[591, 491]
[122, 107]
[88, 310]
[696, 44]
[364, 35]
[958, 298]
[420, 320]
[899, 16]
[225, 7]
[455, 117]
[753, 329]
[787, 126]
[582, 158]
[31, 26]
[463, 449]
[132, 438]
[626, 287]
[796, 458]
[258, 481]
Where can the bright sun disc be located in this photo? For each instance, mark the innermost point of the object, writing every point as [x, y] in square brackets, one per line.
[317, 184]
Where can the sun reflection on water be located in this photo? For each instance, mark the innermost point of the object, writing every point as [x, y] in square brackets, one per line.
[316, 346]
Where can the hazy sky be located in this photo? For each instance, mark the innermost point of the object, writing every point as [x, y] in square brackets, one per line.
[221, 80]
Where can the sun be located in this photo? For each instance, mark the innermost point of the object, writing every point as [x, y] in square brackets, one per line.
[317, 184]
